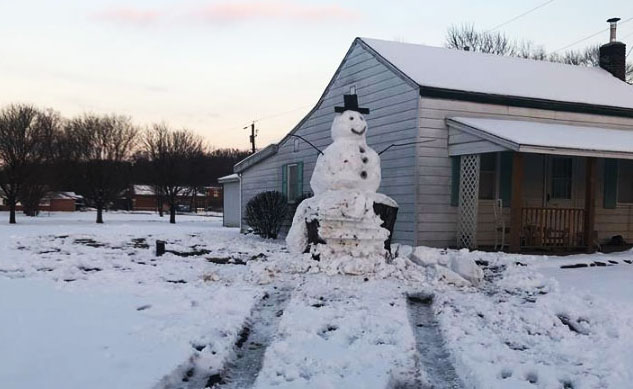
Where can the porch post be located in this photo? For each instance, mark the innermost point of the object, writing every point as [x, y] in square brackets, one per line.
[468, 201]
[590, 202]
[516, 204]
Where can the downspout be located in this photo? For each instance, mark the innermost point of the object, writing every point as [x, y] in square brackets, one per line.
[239, 175]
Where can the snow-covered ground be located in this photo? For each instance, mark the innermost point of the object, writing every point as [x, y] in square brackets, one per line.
[535, 324]
[86, 305]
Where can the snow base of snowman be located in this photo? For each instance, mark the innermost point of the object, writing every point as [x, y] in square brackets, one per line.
[343, 230]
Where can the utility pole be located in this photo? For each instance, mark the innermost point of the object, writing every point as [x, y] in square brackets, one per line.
[253, 134]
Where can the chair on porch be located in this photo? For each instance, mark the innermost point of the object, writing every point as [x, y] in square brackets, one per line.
[500, 224]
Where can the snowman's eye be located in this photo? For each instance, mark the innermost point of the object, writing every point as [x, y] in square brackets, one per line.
[351, 118]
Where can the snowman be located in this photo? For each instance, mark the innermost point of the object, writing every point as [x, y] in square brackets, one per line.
[351, 237]
[348, 163]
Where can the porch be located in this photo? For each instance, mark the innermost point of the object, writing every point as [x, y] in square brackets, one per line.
[533, 186]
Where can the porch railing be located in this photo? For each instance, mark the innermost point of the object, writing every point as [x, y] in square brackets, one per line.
[552, 228]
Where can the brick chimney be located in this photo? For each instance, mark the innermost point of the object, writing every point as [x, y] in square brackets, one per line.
[613, 54]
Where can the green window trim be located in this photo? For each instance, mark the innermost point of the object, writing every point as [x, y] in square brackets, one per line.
[285, 179]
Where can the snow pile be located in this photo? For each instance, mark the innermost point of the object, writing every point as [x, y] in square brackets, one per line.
[347, 222]
[453, 267]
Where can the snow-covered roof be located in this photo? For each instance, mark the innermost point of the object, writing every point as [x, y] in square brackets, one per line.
[549, 138]
[148, 190]
[63, 195]
[508, 76]
[230, 178]
[144, 190]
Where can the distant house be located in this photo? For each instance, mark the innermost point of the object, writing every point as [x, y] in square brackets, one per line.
[532, 153]
[54, 202]
[61, 202]
[144, 198]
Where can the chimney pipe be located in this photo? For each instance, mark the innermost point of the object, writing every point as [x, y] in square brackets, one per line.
[613, 54]
[614, 25]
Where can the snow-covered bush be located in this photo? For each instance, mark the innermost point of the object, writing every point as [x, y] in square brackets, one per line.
[266, 212]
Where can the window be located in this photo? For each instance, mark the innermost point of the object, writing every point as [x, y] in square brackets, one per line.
[292, 181]
[295, 146]
[488, 176]
[561, 177]
[625, 181]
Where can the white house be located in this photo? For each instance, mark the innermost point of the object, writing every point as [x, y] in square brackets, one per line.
[536, 153]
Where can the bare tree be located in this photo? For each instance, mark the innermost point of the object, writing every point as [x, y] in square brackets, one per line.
[589, 56]
[41, 177]
[100, 147]
[173, 155]
[21, 149]
[466, 37]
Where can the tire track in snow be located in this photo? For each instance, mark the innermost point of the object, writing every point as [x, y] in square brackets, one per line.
[252, 341]
[435, 360]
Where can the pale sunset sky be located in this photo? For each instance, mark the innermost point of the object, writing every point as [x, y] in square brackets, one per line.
[214, 65]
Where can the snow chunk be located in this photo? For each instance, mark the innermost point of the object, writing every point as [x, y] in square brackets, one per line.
[467, 268]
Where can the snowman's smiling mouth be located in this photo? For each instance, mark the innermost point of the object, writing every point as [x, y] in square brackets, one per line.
[359, 132]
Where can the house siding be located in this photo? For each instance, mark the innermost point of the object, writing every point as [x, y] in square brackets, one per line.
[437, 219]
[393, 102]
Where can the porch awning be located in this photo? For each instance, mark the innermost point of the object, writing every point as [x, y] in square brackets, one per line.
[482, 135]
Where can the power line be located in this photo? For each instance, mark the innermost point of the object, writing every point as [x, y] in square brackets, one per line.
[521, 15]
[281, 113]
[627, 55]
[270, 117]
[591, 36]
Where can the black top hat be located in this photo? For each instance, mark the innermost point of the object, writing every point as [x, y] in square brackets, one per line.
[351, 104]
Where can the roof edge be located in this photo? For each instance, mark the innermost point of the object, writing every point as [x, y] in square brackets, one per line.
[387, 63]
[524, 102]
[247, 162]
[253, 159]
[454, 122]
[229, 178]
[481, 133]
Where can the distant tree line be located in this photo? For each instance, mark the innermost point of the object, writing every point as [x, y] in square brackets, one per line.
[100, 157]
[467, 37]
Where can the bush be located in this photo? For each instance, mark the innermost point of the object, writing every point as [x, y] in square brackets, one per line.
[266, 212]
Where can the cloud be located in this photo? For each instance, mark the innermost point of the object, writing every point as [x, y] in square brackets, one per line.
[226, 11]
[132, 16]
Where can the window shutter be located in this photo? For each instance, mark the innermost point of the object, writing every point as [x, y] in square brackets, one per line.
[610, 183]
[505, 178]
[455, 165]
[299, 179]
[284, 180]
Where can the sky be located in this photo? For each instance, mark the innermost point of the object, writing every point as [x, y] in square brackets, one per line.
[213, 66]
